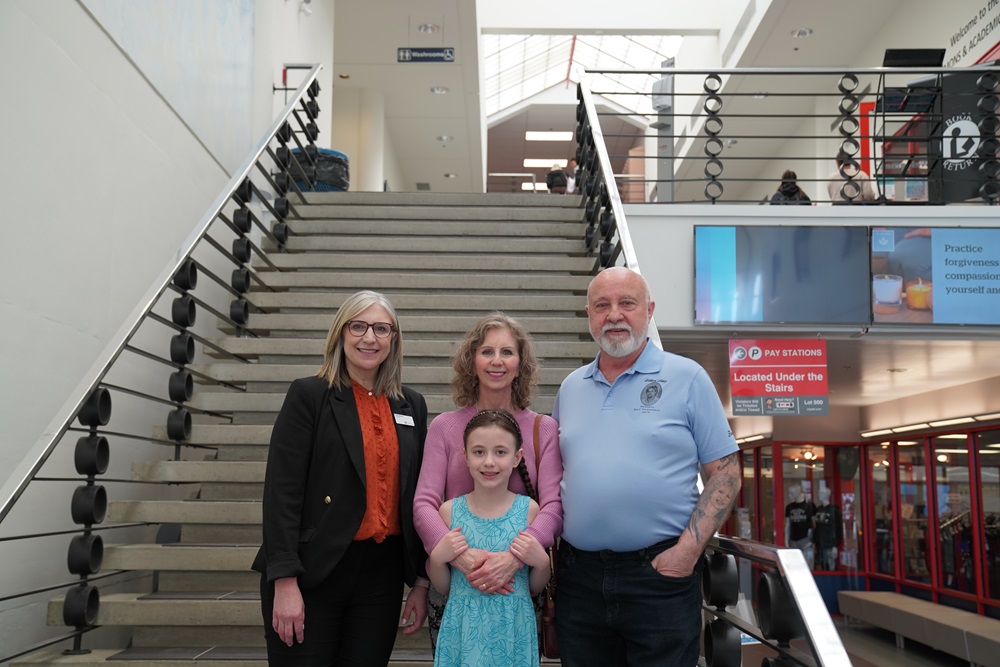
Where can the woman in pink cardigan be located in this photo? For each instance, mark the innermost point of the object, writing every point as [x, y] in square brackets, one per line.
[495, 368]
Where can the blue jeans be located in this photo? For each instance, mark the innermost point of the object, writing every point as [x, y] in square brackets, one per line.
[613, 609]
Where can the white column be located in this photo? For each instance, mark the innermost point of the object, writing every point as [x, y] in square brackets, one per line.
[367, 168]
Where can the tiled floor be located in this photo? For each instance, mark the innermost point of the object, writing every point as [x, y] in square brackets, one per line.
[870, 647]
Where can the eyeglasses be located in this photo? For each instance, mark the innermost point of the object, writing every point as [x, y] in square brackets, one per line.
[359, 328]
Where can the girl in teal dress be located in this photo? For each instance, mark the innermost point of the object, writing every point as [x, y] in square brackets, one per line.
[478, 629]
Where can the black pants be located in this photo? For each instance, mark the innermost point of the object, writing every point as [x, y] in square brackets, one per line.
[352, 617]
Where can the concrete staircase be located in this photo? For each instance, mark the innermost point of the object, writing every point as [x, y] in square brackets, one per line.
[443, 260]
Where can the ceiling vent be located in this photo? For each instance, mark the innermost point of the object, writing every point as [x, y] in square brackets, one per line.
[423, 187]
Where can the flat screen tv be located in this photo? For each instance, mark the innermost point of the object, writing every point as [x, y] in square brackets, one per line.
[935, 275]
[781, 275]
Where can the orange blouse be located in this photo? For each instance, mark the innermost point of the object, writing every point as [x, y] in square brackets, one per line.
[378, 429]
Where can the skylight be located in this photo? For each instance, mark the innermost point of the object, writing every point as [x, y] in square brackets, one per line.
[517, 67]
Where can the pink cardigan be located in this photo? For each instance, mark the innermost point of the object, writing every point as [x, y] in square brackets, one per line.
[444, 474]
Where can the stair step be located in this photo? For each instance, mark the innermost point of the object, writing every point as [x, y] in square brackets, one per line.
[174, 656]
[324, 226]
[181, 557]
[261, 372]
[382, 280]
[250, 472]
[255, 347]
[271, 402]
[507, 200]
[455, 326]
[470, 215]
[349, 261]
[238, 512]
[408, 243]
[127, 609]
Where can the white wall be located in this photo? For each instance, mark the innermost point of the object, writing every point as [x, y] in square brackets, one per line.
[199, 55]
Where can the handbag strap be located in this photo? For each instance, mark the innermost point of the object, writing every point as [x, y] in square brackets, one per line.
[553, 550]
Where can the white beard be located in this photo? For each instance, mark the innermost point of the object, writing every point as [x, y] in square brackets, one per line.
[614, 348]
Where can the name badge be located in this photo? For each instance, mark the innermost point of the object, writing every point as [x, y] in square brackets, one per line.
[405, 420]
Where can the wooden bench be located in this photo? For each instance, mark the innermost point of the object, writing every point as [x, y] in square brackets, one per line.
[961, 633]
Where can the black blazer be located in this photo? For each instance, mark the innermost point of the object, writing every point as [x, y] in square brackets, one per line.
[314, 487]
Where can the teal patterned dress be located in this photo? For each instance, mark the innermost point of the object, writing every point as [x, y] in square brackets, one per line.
[487, 630]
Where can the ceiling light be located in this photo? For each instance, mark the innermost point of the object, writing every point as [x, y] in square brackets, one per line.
[952, 422]
[344, 76]
[439, 90]
[548, 136]
[760, 96]
[808, 455]
[943, 458]
[759, 436]
[986, 418]
[872, 434]
[951, 436]
[951, 451]
[731, 142]
[532, 187]
[444, 138]
[885, 463]
[906, 443]
[428, 28]
[544, 163]
[451, 175]
[897, 370]
[802, 33]
[911, 427]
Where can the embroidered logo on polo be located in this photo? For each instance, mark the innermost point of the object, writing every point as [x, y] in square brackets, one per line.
[651, 393]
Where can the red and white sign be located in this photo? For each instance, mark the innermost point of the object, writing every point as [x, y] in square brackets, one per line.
[788, 376]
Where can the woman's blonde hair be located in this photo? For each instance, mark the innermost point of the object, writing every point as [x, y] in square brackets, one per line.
[465, 384]
[389, 379]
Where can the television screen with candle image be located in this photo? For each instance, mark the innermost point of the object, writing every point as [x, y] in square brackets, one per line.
[782, 275]
[935, 275]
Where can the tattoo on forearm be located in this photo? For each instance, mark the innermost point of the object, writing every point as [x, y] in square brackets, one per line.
[717, 499]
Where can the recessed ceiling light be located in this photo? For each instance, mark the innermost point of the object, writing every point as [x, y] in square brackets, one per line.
[543, 163]
[760, 96]
[731, 142]
[345, 76]
[802, 33]
[444, 138]
[548, 136]
[439, 90]
[428, 28]
[451, 175]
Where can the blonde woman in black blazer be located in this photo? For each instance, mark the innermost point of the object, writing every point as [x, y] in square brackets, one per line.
[328, 486]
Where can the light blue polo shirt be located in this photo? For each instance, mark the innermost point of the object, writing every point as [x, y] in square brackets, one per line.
[632, 450]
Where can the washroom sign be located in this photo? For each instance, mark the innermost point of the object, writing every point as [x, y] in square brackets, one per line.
[779, 377]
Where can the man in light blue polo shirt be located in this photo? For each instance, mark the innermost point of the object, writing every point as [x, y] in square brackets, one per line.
[636, 426]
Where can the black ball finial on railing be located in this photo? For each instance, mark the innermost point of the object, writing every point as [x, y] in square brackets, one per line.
[88, 506]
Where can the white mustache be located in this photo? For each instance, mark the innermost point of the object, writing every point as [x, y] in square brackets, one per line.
[621, 325]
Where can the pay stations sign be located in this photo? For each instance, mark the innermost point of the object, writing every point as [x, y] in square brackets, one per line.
[778, 377]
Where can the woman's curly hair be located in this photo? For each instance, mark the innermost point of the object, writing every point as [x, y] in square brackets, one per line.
[465, 384]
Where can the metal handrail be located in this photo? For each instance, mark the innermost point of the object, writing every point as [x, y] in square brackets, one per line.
[517, 174]
[900, 145]
[46, 443]
[606, 173]
[824, 640]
